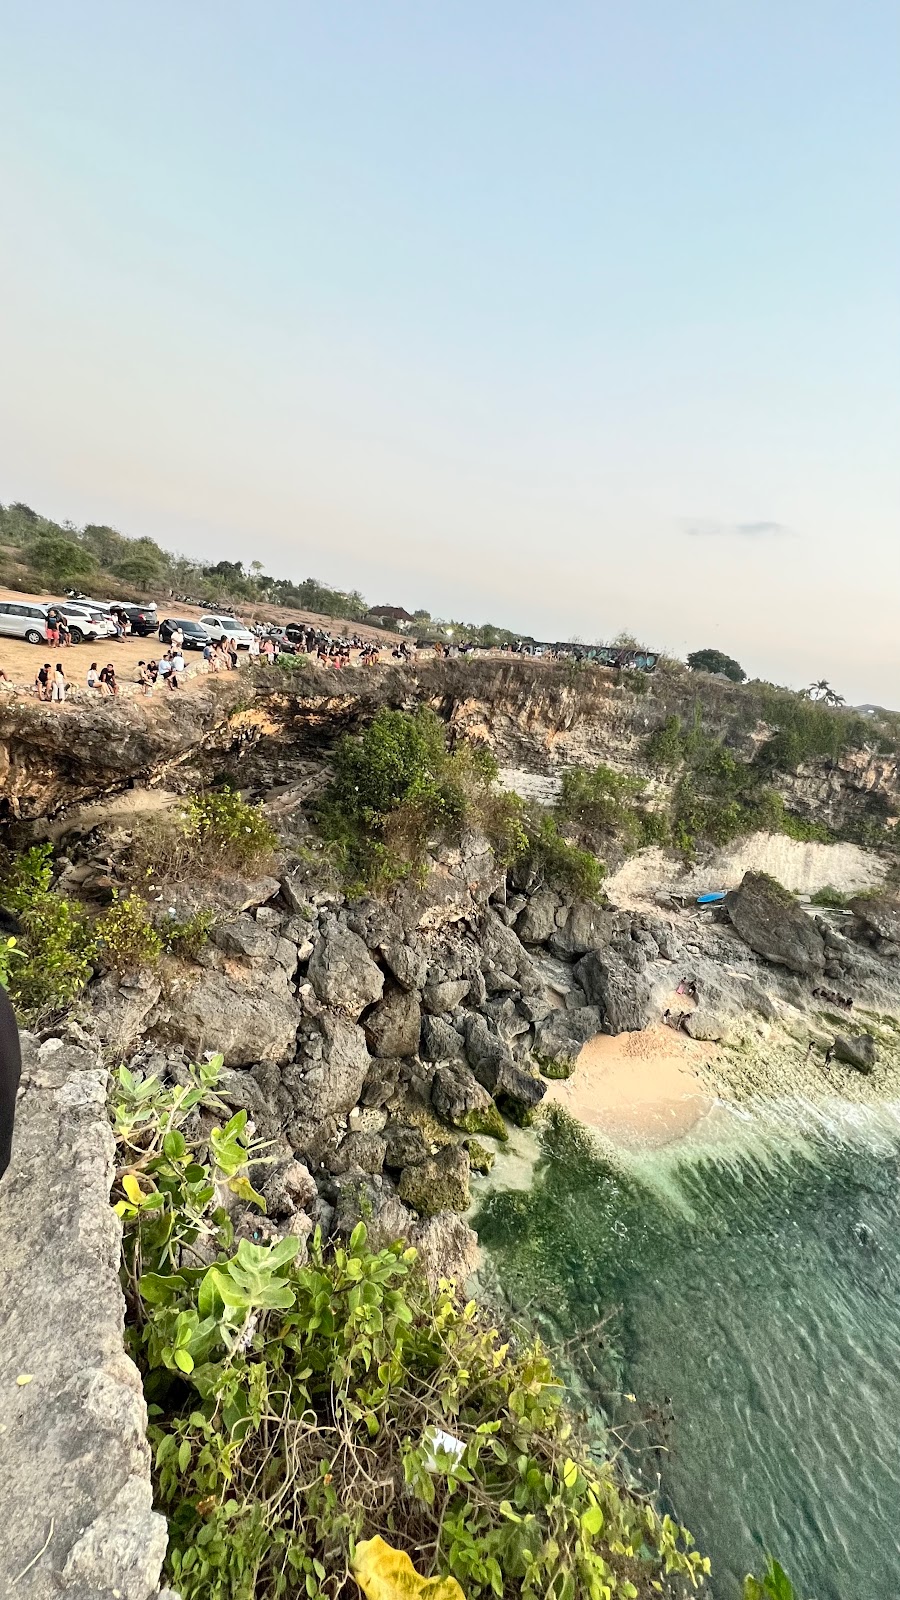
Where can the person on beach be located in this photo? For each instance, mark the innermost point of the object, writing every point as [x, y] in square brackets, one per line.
[42, 682]
[52, 629]
[58, 688]
[108, 681]
[144, 678]
[93, 677]
[65, 637]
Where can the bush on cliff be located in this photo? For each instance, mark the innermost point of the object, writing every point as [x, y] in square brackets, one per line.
[398, 787]
[718, 797]
[610, 803]
[298, 1406]
[217, 832]
[57, 945]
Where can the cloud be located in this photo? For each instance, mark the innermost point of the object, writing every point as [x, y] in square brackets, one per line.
[736, 530]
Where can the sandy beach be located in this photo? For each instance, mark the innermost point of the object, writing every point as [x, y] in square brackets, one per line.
[638, 1088]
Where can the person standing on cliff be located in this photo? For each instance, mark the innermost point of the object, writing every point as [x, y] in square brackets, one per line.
[10, 1057]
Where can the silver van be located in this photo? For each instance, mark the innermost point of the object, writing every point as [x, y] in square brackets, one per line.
[24, 619]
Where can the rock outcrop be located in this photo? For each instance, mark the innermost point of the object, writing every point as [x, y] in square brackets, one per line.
[771, 922]
[75, 1490]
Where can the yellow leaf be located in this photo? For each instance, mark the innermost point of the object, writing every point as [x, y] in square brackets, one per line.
[132, 1188]
[23, 1378]
[384, 1573]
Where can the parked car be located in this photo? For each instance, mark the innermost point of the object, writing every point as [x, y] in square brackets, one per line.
[233, 629]
[143, 619]
[195, 635]
[24, 620]
[85, 621]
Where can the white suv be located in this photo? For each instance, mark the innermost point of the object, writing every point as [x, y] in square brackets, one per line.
[24, 620]
[233, 629]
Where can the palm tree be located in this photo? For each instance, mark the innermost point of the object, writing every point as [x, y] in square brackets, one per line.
[823, 691]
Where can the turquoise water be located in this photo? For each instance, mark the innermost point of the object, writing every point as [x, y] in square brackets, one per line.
[755, 1282]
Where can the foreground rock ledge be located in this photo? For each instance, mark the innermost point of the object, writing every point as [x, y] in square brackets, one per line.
[75, 1495]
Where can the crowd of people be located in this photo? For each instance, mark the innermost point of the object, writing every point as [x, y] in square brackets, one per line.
[268, 641]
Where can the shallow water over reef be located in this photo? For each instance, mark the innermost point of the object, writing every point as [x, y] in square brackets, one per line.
[755, 1271]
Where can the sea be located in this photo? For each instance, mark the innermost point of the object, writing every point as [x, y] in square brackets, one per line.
[726, 1312]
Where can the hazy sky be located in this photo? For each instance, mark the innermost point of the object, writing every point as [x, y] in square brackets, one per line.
[571, 316]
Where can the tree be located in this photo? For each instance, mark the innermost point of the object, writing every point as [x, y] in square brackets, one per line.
[716, 661]
[823, 692]
[139, 566]
[60, 559]
[107, 544]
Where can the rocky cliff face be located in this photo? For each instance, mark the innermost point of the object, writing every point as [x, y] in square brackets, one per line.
[537, 718]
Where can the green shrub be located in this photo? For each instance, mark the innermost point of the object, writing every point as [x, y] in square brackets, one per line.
[297, 663]
[295, 1406]
[664, 747]
[829, 896]
[188, 938]
[228, 830]
[57, 946]
[558, 863]
[125, 936]
[396, 786]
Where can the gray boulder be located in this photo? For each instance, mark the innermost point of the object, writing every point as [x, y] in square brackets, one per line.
[442, 998]
[769, 920]
[502, 949]
[440, 1183]
[362, 1197]
[586, 928]
[405, 1146]
[558, 1040]
[341, 970]
[859, 1051]
[879, 915]
[535, 924]
[459, 1099]
[289, 1188]
[516, 1091]
[393, 1026]
[245, 1020]
[440, 1042]
[327, 1078]
[407, 963]
[121, 1006]
[447, 1248]
[622, 993]
[244, 936]
[363, 1150]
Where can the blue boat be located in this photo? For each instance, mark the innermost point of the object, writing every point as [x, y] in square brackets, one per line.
[711, 899]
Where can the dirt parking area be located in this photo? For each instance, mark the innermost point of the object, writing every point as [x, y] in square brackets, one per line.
[21, 662]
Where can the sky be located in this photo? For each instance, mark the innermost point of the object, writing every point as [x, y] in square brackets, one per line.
[573, 317]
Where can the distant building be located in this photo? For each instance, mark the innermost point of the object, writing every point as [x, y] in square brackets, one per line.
[391, 617]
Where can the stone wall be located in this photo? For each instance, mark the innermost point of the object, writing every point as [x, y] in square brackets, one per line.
[75, 1489]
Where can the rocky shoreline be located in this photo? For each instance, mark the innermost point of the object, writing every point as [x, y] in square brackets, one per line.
[386, 1046]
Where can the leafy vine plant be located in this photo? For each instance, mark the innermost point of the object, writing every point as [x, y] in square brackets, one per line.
[301, 1398]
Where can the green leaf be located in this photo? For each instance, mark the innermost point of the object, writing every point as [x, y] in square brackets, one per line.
[244, 1189]
[159, 1290]
[183, 1360]
[174, 1145]
[184, 1455]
